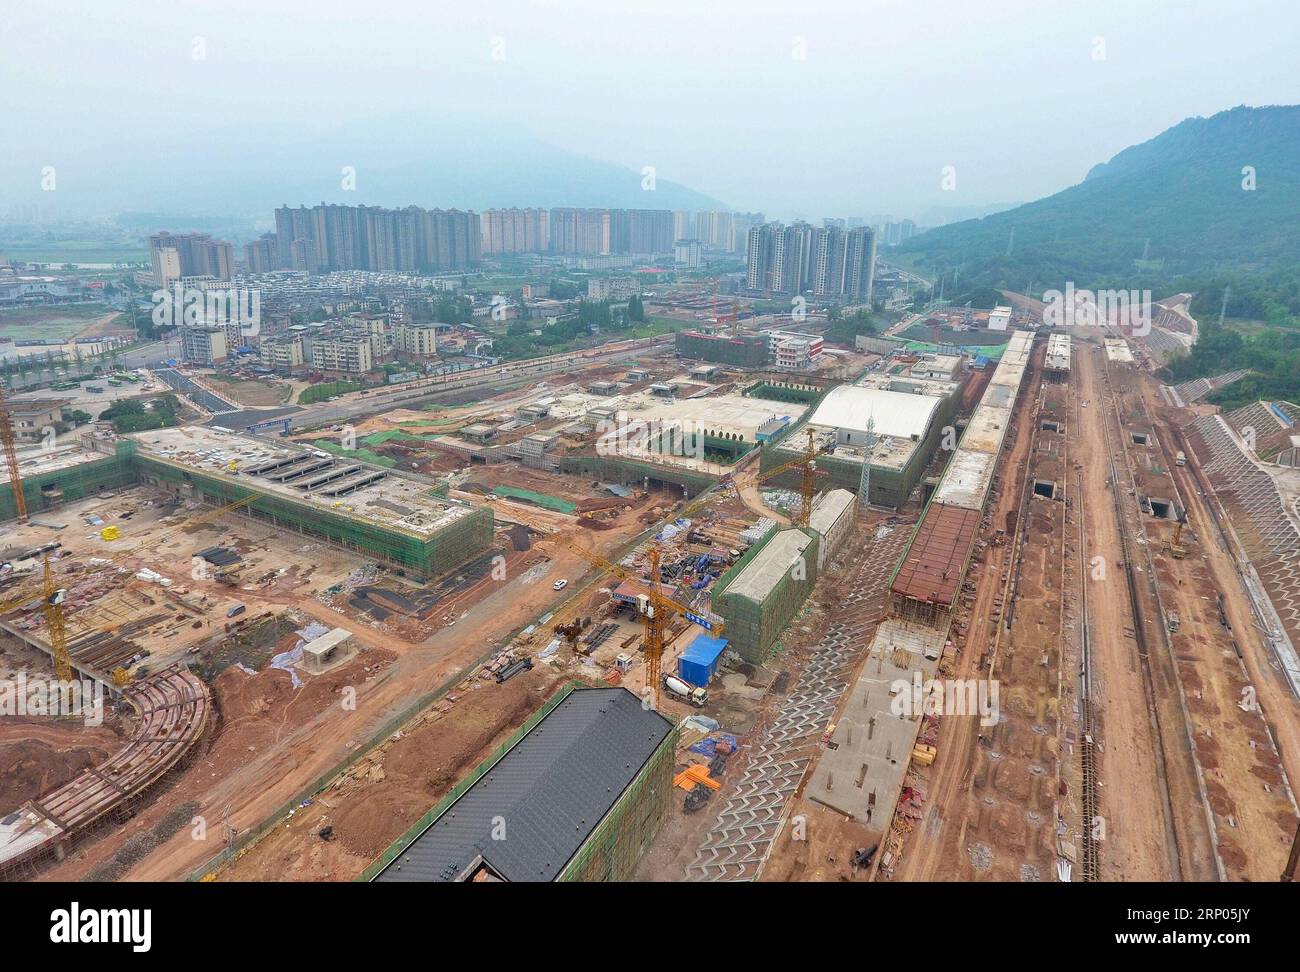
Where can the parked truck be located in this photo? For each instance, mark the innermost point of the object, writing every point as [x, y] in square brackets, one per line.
[697, 697]
[1180, 459]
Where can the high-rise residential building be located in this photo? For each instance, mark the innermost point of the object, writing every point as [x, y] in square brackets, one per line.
[374, 238]
[262, 255]
[827, 276]
[715, 230]
[611, 231]
[516, 230]
[859, 263]
[828, 261]
[176, 255]
[303, 256]
[688, 254]
[683, 225]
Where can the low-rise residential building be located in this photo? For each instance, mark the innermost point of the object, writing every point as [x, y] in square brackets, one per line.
[206, 346]
[612, 288]
[346, 353]
[283, 354]
[33, 415]
[416, 339]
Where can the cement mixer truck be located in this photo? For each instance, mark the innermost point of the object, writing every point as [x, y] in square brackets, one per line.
[697, 697]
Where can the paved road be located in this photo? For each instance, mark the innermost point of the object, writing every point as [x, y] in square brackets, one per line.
[355, 405]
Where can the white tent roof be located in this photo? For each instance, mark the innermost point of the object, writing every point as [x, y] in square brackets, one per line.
[896, 413]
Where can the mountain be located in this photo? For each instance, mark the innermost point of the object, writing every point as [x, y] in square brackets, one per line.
[1172, 206]
[432, 162]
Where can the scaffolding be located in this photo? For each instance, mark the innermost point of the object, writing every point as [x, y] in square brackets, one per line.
[614, 849]
[755, 623]
[44, 491]
[420, 555]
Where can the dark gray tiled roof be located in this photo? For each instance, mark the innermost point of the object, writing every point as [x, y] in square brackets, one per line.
[549, 792]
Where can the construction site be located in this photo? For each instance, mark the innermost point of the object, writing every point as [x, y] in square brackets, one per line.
[933, 621]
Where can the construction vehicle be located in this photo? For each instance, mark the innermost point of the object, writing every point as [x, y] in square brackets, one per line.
[1174, 547]
[697, 697]
[655, 608]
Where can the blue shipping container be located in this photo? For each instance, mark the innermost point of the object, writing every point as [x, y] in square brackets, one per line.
[699, 662]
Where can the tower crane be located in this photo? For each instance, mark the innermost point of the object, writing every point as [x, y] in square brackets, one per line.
[52, 599]
[655, 608]
[11, 456]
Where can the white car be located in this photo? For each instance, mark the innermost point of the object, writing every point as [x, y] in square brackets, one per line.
[560, 584]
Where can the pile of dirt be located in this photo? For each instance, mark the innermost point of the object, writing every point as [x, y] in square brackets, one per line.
[49, 757]
[423, 765]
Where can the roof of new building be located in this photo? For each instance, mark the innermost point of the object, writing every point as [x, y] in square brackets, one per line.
[895, 413]
[827, 511]
[932, 567]
[551, 789]
[762, 574]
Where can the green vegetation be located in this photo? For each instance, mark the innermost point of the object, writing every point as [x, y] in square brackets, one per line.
[328, 389]
[361, 455]
[1274, 355]
[842, 330]
[132, 415]
[58, 322]
[442, 310]
[1172, 214]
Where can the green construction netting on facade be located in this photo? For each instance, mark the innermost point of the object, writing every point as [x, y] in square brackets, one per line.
[890, 487]
[753, 626]
[48, 490]
[609, 469]
[780, 392]
[614, 849]
[425, 557]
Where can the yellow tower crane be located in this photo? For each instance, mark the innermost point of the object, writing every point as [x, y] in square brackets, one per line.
[655, 608]
[52, 608]
[11, 456]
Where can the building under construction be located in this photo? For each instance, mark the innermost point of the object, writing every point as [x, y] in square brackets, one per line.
[386, 516]
[895, 431]
[928, 579]
[872, 743]
[577, 794]
[64, 475]
[741, 351]
[763, 590]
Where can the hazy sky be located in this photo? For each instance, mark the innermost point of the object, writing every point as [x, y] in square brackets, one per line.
[1021, 96]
